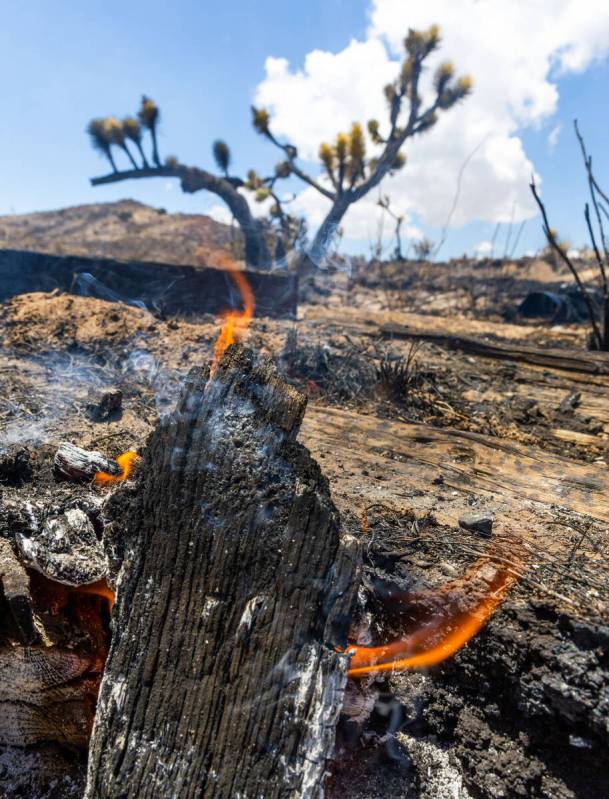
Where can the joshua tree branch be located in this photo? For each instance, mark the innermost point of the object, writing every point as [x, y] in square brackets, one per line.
[565, 258]
[591, 185]
[193, 180]
[599, 259]
[291, 154]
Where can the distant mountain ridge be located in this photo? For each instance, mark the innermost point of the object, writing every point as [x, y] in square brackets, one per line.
[126, 230]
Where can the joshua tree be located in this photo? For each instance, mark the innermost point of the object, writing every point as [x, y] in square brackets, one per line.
[599, 335]
[349, 173]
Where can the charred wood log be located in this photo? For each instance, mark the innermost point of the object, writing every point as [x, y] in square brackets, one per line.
[16, 589]
[74, 463]
[223, 678]
[594, 363]
[53, 643]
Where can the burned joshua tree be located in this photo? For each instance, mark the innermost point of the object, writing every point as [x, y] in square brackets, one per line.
[349, 172]
[599, 335]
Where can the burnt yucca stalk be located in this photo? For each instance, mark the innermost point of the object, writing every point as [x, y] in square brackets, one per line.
[348, 173]
[133, 131]
[149, 117]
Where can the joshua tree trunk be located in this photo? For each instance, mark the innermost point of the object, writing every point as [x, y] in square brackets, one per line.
[326, 232]
[257, 253]
[605, 340]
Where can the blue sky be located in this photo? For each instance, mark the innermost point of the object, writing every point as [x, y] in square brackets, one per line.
[67, 62]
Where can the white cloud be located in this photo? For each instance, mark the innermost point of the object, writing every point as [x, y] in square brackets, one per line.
[483, 248]
[514, 51]
[220, 213]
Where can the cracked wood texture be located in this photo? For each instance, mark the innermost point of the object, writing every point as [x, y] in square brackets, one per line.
[223, 679]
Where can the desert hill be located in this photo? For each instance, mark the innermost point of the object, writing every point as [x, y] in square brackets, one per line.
[125, 230]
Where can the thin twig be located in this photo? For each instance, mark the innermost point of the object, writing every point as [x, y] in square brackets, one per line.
[591, 183]
[561, 252]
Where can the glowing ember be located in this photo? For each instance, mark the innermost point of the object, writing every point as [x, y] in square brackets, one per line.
[446, 634]
[235, 322]
[99, 588]
[125, 462]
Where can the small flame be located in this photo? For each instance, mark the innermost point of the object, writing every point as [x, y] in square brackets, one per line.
[444, 636]
[125, 461]
[235, 322]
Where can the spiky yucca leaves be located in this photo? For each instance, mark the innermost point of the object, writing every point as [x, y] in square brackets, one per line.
[116, 135]
[347, 158]
[221, 156]
[326, 156]
[260, 120]
[133, 131]
[357, 152]
[149, 115]
[253, 181]
[99, 139]
[283, 169]
[374, 131]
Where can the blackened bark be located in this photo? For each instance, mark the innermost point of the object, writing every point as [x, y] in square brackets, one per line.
[223, 678]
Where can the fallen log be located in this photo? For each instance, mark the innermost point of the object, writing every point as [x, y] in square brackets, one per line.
[223, 678]
[594, 363]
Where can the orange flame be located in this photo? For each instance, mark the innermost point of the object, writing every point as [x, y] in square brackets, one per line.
[125, 462]
[99, 588]
[445, 635]
[235, 322]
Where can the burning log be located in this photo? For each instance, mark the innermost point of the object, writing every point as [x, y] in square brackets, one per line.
[75, 463]
[224, 677]
[53, 643]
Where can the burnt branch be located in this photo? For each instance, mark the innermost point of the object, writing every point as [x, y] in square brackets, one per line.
[593, 189]
[551, 238]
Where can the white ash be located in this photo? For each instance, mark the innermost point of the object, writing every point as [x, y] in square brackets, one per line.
[439, 778]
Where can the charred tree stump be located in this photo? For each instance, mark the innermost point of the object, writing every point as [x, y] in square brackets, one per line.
[223, 678]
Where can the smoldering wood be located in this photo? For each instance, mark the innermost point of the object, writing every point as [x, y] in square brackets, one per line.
[66, 549]
[16, 590]
[53, 642]
[74, 463]
[15, 466]
[223, 678]
[166, 288]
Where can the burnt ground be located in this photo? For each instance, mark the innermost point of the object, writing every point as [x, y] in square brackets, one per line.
[410, 437]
